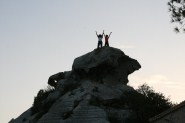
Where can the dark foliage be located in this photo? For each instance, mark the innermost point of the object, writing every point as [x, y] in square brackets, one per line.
[148, 103]
[38, 104]
[41, 105]
[145, 102]
[177, 10]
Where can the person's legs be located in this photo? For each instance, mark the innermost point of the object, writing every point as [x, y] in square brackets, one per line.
[106, 44]
[101, 44]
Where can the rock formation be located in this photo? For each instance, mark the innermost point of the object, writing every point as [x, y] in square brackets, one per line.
[55, 78]
[94, 91]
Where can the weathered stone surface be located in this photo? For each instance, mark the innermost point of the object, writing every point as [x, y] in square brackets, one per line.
[85, 113]
[24, 117]
[93, 92]
[106, 64]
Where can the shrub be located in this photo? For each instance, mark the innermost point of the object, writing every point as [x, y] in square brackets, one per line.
[147, 103]
[38, 105]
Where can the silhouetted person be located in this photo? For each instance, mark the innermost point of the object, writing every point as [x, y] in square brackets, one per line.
[107, 39]
[100, 37]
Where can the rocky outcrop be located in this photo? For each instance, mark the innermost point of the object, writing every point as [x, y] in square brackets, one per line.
[106, 64]
[94, 91]
[55, 78]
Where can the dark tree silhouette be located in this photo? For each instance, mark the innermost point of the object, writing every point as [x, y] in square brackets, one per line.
[157, 99]
[177, 10]
[148, 103]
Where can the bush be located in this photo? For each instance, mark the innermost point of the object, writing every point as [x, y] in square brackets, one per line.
[147, 103]
[38, 105]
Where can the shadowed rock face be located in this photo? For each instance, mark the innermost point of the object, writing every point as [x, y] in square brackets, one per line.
[55, 78]
[94, 91]
[106, 64]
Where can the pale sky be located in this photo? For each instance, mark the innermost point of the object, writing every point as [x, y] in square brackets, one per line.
[39, 38]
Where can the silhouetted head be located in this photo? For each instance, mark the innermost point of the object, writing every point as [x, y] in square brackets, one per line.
[106, 36]
[99, 35]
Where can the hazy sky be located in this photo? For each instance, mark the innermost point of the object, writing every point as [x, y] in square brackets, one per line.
[39, 38]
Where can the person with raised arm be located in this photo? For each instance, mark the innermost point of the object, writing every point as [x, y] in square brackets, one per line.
[100, 37]
[107, 39]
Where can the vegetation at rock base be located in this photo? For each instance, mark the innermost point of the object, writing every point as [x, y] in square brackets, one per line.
[145, 102]
[148, 103]
[41, 106]
[38, 104]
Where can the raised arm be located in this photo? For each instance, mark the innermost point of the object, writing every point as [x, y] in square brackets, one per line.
[110, 34]
[103, 33]
[96, 33]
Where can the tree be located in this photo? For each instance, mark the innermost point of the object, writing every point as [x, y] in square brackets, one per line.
[157, 100]
[177, 10]
[148, 103]
[38, 104]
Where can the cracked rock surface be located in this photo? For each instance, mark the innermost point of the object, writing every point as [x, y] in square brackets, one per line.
[94, 91]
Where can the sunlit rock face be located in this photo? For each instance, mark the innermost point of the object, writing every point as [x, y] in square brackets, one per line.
[94, 91]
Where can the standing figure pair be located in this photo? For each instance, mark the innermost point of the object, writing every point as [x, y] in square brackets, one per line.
[100, 37]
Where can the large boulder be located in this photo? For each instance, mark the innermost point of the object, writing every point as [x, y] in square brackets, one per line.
[106, 64]
[94, 91]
